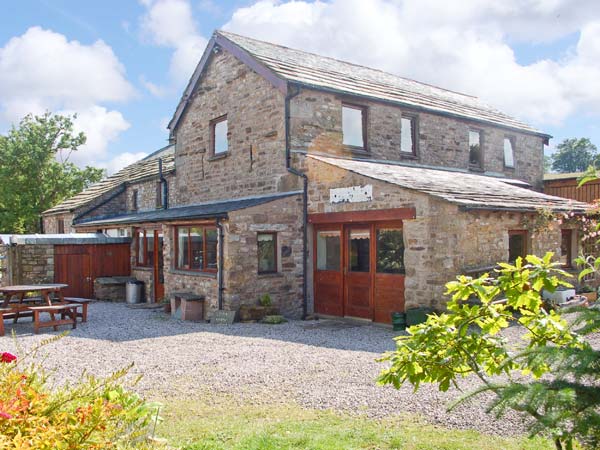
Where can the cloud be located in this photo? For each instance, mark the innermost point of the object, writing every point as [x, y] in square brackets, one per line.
[466, 48]
[170, 23]
[42, 70]
[122, 160]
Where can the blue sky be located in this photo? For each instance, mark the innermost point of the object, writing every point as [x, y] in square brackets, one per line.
[122, 65]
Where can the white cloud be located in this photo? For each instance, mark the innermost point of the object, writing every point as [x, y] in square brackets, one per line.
[120, 161]
[170, 23]
[42, 70]
[465, 48]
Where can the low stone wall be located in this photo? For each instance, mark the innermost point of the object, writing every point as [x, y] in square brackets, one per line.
[111, 289]
[28, 264]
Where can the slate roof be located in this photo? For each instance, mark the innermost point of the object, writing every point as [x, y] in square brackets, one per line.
[469, 191]
[321, 72]
[56, 239]
[144, 168]
[207, 210]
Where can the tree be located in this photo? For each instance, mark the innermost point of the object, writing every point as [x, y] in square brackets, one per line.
[575, 155]
[466, 341]
[35, 171]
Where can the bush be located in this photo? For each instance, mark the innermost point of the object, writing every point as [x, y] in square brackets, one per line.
[90, 414]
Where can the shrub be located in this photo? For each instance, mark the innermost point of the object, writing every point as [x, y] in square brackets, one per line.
[89, 414]
[265, 300]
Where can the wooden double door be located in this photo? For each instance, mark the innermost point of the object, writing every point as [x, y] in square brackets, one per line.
[359, 270]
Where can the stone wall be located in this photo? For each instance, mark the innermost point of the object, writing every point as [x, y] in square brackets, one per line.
[30, 264]
[255, 161]
[51, 223]
[316, 126]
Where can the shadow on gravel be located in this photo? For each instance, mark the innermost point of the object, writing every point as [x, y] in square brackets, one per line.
[115, 322]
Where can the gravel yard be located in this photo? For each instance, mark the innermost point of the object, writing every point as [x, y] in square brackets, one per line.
[317, 364]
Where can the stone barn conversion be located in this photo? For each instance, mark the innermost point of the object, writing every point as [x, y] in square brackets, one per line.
[337, 189]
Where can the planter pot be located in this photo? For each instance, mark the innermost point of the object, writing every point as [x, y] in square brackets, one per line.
[256, 313]
[591, 296]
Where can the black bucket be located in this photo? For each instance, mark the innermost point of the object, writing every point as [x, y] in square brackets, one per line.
[399, 321]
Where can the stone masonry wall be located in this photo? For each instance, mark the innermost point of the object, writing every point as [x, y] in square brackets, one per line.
[255, 161]
[316, 126]
[243, 283]
[51, 223]
[31, 264]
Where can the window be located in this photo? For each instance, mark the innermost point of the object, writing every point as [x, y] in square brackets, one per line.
[354, 126]
[390, 250]
[134, 200]
[359, 248]
[475, 149]
[196, 248]
[144, 248]
[159, 194]
[566, 247]
[517, 244]
[218, 136]
[267, 252]
[408, 135]
[328, 250]
[61, 226]
[509, 154]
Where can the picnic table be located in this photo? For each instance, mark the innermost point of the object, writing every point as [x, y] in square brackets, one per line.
[21, 307]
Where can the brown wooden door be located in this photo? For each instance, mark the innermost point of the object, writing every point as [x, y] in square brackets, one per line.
[358, 268]
[72, 266]
[159, 279]
[388, 292]
[328, 278]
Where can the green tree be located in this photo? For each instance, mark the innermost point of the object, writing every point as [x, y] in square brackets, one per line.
[575, 155]
[467, 341]
[35, 170]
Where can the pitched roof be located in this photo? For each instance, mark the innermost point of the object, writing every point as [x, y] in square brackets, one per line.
[144, 168]
[562, 176]
[320, 72]
[469, 191]
[206, 210]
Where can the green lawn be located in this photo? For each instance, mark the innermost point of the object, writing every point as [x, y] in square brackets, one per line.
[223, 423]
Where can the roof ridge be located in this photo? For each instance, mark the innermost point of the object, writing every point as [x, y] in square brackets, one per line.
[224, 33]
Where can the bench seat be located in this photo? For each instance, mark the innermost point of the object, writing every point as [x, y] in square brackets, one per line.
[68, 316]
[80, 302]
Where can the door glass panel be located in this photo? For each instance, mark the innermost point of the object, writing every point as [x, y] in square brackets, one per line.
[150, 244]
[359, 246]
[160, 258]
[390, 250]
[328, 250]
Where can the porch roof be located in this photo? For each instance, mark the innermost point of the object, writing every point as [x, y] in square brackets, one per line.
[470, 191]
[206, 210]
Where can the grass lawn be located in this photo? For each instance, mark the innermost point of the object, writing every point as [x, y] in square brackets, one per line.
[223, 423]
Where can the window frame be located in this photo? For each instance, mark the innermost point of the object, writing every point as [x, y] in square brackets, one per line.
[204, 268]
[275, 252]
[159, 196]
[135, 200]
[414, 129]
[525, 249]
[212, 139]
[60, 225]
[364, 111]
[476, 167]
[145, 263]
[513, 143]
[570, 232]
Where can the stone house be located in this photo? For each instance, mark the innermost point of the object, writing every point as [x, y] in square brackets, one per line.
[337, 189]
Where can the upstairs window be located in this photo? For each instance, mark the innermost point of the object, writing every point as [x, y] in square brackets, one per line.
[354, 125]
[475, 156]
[517, 245]
[267, 252]
[218, 136]
[159, 195]
[134, 200]
[408, 135]
[61, 226]
[196, 248]
[509, 154]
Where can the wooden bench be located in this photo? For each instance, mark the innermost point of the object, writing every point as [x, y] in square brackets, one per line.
[81, 303]
[68, 313]
[189, 305]
[3, 311]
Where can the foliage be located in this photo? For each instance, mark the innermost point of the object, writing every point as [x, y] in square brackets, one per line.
[90, 414]
[574, 155]
[540, 221]
[36, 173]
[265, 300]
[467, 341]
[274, 319]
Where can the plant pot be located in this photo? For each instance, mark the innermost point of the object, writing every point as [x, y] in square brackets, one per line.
[591, 296]
[256, 313]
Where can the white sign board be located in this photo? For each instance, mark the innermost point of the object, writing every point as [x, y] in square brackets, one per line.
[352, 194]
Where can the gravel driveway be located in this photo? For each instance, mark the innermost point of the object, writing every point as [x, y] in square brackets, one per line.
[318, 364]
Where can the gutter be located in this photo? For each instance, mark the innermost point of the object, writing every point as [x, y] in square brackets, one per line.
[221, 261]
[288, 164]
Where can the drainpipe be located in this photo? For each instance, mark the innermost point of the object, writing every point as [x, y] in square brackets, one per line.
[220, 271]
[288, 164]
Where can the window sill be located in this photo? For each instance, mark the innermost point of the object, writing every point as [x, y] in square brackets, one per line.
[143, 268]
[357, 151]
[511, 169]
[192, 273]
[270, 275]
[476, 169]
[408, 156]
[218, 156]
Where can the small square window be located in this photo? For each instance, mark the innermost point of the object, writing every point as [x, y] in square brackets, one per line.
[267, 252]
[475, 157]
[509, 154]
[61, 226]
[408, 135]
[218, 136]
[354, 126]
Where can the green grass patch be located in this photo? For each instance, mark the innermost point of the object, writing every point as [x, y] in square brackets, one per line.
[223, 423]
